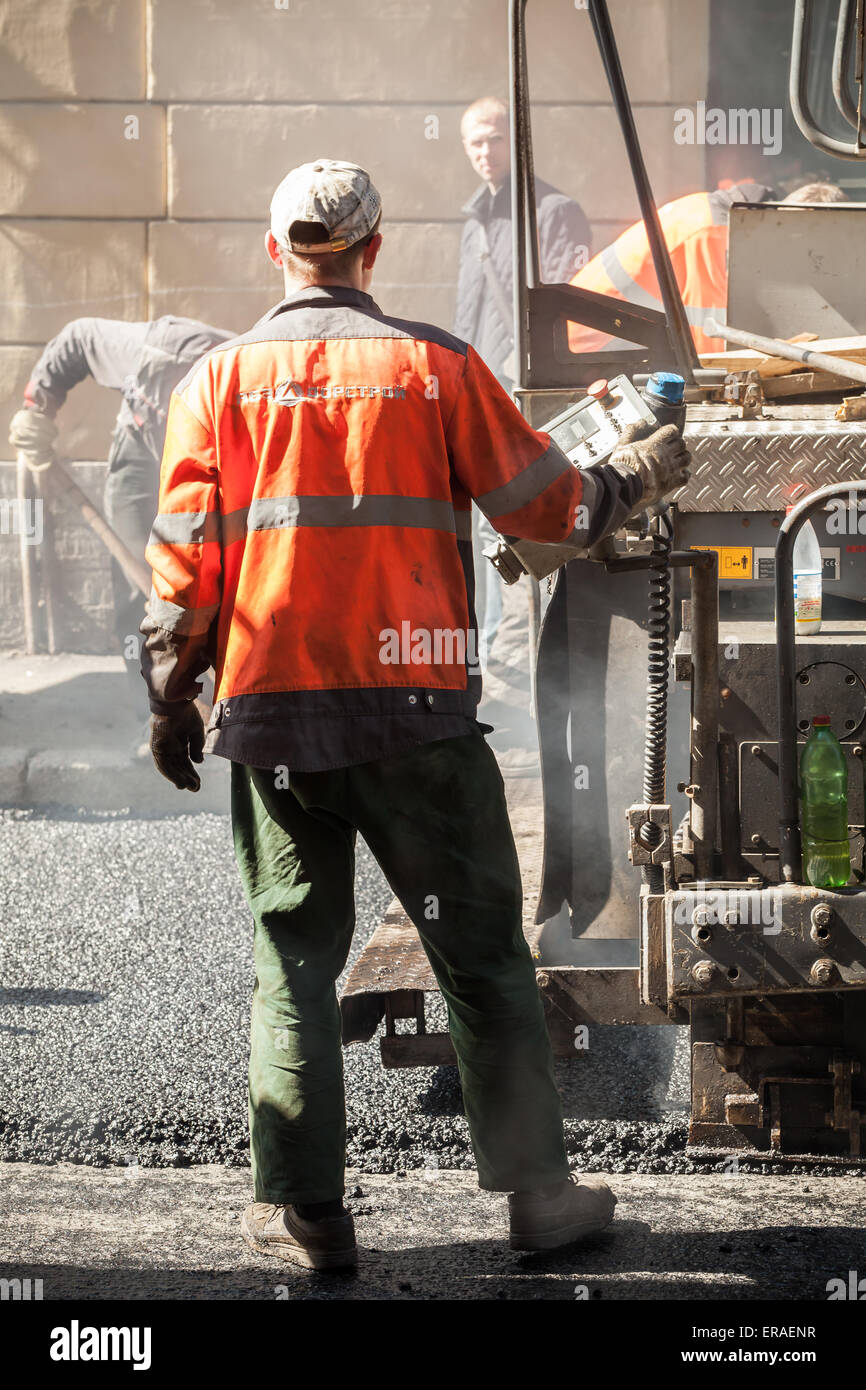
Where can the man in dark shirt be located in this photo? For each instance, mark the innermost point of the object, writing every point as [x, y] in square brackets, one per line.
[484, 316]
[144, 361]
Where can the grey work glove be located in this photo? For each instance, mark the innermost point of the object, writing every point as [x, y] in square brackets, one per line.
[34, 433]
[176, 742]
[661, 461]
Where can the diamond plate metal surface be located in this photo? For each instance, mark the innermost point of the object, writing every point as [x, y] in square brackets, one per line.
[746, 465]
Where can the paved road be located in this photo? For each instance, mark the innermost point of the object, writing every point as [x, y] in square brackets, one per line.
[169, 1234]
[124, 999]
[126, 976]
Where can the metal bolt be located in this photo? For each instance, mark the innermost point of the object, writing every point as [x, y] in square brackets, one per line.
[703, 972]
[756, 750]
[543, 979]
[732, 917]
[700, 917]
[821, 915]
[756, 839]
[822, 971]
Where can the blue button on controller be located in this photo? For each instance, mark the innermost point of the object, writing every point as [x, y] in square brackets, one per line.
[668, 385]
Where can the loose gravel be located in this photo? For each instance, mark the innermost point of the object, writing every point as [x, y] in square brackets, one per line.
[125, 981]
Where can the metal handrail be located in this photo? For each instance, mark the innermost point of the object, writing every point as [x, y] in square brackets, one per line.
[842, 63]
[798, 83]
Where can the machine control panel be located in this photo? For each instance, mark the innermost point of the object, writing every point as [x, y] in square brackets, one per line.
[589, 431]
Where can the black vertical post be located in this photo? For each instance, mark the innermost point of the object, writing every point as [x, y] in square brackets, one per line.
[520, 190]
[678, 326]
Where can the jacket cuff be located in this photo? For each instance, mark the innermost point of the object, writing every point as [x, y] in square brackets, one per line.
[169, 708]
[628, 475]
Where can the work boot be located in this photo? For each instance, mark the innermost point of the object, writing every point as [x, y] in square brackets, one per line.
[281, 1231]
[560, 1215]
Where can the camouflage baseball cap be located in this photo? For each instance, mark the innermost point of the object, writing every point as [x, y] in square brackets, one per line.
[340, 197]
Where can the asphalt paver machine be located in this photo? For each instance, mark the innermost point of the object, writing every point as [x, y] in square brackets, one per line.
[663, 867]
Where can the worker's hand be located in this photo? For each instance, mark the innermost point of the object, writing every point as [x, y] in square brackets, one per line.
[176, 742]
[661, 461]
[34, 433]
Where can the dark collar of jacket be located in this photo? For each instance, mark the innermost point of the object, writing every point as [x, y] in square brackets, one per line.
[323, 295]
[484, 206]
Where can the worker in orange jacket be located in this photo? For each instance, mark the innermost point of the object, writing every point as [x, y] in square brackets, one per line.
[313, 542]
[695, 229]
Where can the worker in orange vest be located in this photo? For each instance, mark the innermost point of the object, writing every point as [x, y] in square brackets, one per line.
[313, 542]
[695, 229]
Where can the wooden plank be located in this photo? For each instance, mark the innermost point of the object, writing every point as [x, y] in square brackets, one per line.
[804, 383]
[852, 408]
[392, 959]
[745, 359]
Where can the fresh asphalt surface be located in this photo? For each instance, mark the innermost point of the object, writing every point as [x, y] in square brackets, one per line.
[124, 1001]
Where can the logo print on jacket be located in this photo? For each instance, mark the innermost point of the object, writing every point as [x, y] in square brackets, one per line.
[291, 393]
[295, 393]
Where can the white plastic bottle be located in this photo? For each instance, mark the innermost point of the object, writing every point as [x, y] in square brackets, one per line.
[807, 581]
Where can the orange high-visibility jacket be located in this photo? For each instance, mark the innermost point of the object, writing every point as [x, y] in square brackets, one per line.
[695, 230]
[313, 538]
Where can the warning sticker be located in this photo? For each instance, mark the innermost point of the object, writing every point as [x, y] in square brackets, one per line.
[764, 562]
[735, 561]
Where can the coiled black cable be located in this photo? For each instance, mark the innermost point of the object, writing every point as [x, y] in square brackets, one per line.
[659, 630]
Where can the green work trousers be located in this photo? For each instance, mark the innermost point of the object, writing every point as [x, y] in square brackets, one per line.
[436, 820]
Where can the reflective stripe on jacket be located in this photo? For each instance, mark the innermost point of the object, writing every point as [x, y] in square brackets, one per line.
[313, 536]
[695, 230]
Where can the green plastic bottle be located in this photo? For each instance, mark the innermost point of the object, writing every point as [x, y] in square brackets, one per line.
[824, 803]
